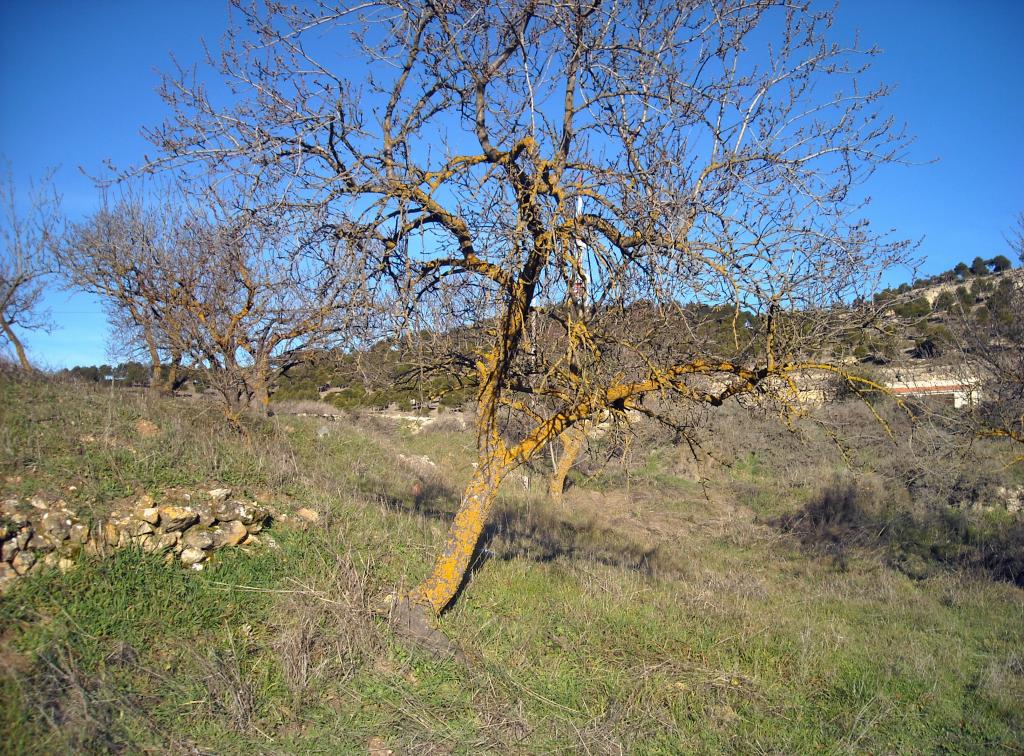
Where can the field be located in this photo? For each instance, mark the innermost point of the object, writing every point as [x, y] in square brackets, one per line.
[741, 606]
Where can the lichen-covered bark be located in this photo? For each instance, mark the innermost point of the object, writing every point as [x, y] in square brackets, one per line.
[572, 444]
[440, 587]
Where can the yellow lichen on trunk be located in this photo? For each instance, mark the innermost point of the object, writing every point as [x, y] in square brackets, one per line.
[440, 587]
[572, 444]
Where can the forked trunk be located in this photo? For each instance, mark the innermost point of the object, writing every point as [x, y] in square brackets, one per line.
[572, 440]
[438, 590]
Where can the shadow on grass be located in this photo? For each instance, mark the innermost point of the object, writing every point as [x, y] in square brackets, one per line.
[847, 515]
[539, 533]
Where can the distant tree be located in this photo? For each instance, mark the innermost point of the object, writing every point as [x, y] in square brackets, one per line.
[961, 270]
[119, 255]
[29, 229]
[979, 267]
[133, 373]
[202, 279]
[1000, 263]
[964, 297]
[979, 287]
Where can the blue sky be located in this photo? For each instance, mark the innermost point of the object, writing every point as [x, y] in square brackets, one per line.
[78, 79]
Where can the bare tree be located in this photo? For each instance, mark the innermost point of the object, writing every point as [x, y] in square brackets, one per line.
[666, 190]
[994, 352]
[28, 232]
[203, 282]
[121, 254]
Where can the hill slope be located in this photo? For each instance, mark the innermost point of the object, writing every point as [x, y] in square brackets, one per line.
[647, 615]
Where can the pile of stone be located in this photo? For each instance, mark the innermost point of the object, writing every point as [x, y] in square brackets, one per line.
[35, 534]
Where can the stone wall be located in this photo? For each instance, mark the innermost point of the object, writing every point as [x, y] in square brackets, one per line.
[35, 534]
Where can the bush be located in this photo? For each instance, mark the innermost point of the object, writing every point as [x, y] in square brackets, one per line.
[916, 308]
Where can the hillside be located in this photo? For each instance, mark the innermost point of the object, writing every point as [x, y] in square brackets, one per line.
[649, 614]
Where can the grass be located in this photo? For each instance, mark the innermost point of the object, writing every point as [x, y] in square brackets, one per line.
[729, 636]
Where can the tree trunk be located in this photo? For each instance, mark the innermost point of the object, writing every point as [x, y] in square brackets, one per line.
[438, 590]
[572, 440]
[18, 348]
[259, 399]
[156, 380]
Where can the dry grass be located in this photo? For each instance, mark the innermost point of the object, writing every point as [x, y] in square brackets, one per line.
[325, 628]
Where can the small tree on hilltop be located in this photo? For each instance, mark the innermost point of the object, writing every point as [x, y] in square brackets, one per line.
[979, 267]
[612, 177]
[1000, 263]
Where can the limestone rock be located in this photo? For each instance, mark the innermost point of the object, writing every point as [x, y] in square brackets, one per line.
[225, 511]
[8, 550]
[23, 536]
[142, 528]
[79, 533]
[64, 564]
[10, 507]
[39, 543]
[70, 548]
[197, 538]
[150, 515]
[23, 561]
[219, 494]
[230, 534]
[167, 541]
[308, 515]
[39, 503]
[7, 575]
[192, 556]
[110, 533]
[142, 540]
[377, 746]
[146, 428]
[177, 518]
[250, 513]
[204, 511]
[56, 525]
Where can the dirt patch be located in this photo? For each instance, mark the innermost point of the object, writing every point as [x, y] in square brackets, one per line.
[146, 428]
